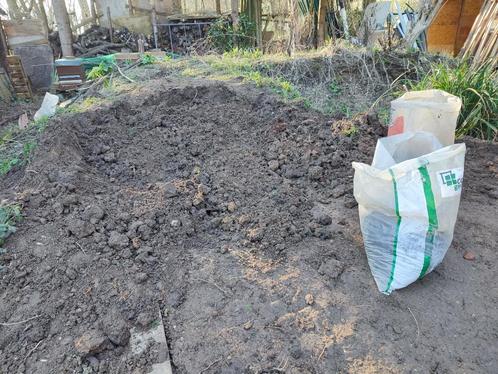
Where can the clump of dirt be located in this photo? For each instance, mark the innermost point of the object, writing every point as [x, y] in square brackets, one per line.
[232, 214]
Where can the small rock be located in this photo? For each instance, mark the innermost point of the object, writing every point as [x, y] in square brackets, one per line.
[309, 299]
[231, 207]
[315, 172]
[70, 200]
[320, 216]
[58, 208]
[91, 342]
[293, 172]
[110, 157]
[144, 319]
[273, 165]
[80, 228]
[175, 223]
[118, 240]
[308, 122]
[468, 255]
[350, 203]
[248, 325]
[94, 362]
[244, 219]
[141, 277]
[93, 213]
[170, 190]
[116, 329]
[331, 268]
[255, 234]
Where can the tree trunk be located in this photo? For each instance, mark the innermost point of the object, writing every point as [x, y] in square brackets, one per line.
[218, 6]
[322, 29]
[258, 21]
[64, 27]
[292, 27]
[14, 11]
[85, 10]
[344, 18]
[315, 22]
[235, 19]
[43, 15]
[93, 13]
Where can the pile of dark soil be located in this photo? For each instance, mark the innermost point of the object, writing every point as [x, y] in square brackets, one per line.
[232, 215]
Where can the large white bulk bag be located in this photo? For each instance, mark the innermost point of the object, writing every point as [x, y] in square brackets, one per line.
[433, 111]
[408, 203]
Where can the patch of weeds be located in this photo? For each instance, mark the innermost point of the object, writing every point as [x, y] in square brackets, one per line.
[334, 88]
[147, 59]
[10, 214]
[27, 149]
[384, 113]
[99, 71]
[8, 164]
[334, 107]
[191, 72]
[41, 123]
[352, 131]
[252, 54]
[307, 103]
[17, 145]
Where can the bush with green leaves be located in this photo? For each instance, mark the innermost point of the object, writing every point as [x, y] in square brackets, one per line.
[147, 59]
[99, 71]
[9, 215]
[478, 89]
[223, 37]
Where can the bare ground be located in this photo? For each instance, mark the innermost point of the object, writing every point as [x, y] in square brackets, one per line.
[232, 214]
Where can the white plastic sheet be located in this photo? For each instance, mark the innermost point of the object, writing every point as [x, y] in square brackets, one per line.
[408, 203]
[48, 106]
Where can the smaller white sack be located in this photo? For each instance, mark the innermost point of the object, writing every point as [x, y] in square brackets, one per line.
[433, 111]
[48, 106]
[408, 203]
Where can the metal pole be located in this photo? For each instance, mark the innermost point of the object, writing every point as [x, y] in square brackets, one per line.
[170, 38]
[110, 22]
[154, 26]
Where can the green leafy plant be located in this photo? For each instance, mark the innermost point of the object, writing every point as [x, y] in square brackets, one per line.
[353, 130]
[9, 215]
[223, 37]
[147, 59]
[334, 88]
[99, 71]
[7, 165]
[478, 89]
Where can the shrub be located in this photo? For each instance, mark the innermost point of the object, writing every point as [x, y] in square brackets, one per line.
[99, 71]
[9, 215]
[223, 37]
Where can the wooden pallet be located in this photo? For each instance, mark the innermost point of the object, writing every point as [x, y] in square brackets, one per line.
[19, 79]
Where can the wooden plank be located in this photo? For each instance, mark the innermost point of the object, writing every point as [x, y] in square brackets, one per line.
[25, 32]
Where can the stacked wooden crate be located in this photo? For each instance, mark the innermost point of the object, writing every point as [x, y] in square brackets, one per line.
[20, 81]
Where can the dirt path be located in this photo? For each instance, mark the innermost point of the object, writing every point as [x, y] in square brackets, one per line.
[233, 215]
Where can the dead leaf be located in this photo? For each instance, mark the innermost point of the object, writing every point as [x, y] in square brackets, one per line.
[470, 256]
[23, 121]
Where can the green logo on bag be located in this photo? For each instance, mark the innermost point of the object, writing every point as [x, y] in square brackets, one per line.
[449, 179]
